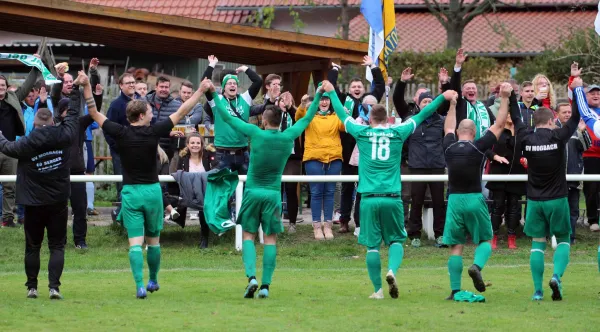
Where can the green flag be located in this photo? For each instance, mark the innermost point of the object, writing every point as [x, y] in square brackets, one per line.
[31, 61]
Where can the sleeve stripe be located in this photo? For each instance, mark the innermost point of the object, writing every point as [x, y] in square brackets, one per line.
[247, 98]
[212, 103]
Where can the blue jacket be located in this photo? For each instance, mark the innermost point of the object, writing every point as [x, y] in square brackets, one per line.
[116, 113]
[29, 113]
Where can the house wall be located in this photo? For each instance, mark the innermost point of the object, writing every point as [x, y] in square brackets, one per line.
[319, 22]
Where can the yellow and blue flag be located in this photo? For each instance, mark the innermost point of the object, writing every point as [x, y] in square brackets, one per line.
[383, 38]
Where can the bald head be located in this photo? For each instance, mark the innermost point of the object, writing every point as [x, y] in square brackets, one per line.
[466, 129]
[43, 117]
[370, 100]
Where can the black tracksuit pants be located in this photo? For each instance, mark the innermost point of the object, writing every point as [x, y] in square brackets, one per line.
[79, 206]
[53, 219]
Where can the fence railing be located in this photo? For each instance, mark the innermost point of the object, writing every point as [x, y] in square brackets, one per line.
[239, 192]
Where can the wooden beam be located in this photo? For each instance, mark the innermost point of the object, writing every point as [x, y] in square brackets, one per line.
[291, 67]
[138, 25]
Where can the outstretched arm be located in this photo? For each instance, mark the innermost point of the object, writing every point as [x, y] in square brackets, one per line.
[498, 126]
[186, 107]
[298, 128]
[570, 127]
[450, 124]
[432, 107]
[91, 103]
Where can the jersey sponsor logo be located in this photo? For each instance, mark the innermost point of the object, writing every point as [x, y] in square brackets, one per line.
[383, 134]
[539, 148]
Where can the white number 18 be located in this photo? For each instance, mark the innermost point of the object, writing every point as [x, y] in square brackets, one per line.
[380, 148]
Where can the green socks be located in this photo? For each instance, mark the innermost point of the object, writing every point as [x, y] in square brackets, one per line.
[536, 262]
[561, 256]
[269, 262]
[455, 268]
[482, 254]
[374, 267]
[396, 254]
[598, 258]
[249, 258]
[136, 260]
[153, 261]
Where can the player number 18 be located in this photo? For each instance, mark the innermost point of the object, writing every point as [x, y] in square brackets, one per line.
[380, 148]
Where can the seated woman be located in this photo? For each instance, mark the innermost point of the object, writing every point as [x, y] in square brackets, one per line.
[192, 158]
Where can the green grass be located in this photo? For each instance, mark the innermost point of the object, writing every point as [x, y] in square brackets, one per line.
[317, 286]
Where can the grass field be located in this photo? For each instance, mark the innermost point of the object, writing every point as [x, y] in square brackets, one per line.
[317, 286]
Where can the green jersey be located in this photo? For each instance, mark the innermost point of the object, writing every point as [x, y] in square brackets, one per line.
[380, 148]
[225, 135]
[270, 148]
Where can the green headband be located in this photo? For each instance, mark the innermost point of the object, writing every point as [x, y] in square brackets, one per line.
[229, 77]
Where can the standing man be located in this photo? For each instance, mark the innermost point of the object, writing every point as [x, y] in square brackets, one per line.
[381, 209]
[12, 124]
[578, 143]
[353, 102]
[547, 189]
[232, 145]
[117, 113]
[43, 181]
[261, 205]
[528, 104]
[163, 105]
[142, 205]
[467, 209]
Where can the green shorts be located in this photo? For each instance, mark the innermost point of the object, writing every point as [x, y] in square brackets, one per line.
[381, 218]
[261, 207]
[547, 218]
[467, 213]
[142, 210]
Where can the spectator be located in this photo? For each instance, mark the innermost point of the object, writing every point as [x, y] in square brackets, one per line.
[528, 104]
[425, 156]
[141, 88]
[353, 102]
[163, 105]
[232, 146]
[579, 142]
[591, 163]
[12, 124]
[192, 158]
[544, 92]
[197, 114]
[322, 156]
[88, 153]
[116, 113]
[504, 158]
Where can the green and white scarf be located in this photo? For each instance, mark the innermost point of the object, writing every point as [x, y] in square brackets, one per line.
[480, 116]
[31, 61]
[349, 105]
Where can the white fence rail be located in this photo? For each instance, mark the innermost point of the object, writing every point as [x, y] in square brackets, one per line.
[313, 178]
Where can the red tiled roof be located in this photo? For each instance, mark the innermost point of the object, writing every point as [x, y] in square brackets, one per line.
[355, 3]
[532, 30]
[199, 9]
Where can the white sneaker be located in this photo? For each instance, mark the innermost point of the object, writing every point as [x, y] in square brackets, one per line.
[391, 280]
[292, 229]
[356, 231]
[32, 293]
[336, 216]
[594, 228]
[194, 216]
[174, 214]
[377, 295]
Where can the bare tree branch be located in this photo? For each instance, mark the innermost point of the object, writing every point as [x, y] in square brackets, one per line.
[437, 11]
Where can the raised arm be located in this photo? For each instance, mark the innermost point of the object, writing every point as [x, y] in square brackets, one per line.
[432, 107]
[378, 83]
[569, 128]
[450, 123]
[398, 96]
[218, 104]
[589, 117]
[257, 81]
[298, 128]
[89, 99]
[24, 89]
[505, 92]
[208, 73]
[332, 77]
[187, 107]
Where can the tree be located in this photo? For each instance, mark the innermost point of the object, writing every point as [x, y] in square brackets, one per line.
[455, 15]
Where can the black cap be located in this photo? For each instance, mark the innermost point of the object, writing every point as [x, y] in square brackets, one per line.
[425, 95]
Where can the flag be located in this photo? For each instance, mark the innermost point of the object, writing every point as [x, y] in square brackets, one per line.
[596, 22]
[383, 39]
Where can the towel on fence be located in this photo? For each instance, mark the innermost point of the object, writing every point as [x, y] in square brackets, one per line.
[221, 186]
[192, 188]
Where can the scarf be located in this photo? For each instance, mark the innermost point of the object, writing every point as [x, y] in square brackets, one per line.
[349, 105]
[480, 116]
[286, 122]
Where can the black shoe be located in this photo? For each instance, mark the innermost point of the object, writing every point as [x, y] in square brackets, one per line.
[204, 242]
[81, 245]
[9, 223]
[475, 274]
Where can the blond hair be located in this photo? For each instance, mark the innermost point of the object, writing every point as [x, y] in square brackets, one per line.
[551, 94]
[162, 156]
[184, 152]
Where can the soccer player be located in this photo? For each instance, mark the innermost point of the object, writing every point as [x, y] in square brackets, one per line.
[141, 197]
[467, 209]
[547, 190]
[261, 204]
[381, 210]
